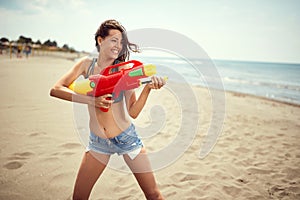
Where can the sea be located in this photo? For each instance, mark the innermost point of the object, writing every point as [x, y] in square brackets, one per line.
[276, 81]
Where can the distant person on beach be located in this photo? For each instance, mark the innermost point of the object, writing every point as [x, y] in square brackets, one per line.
[19, 50]
[110, 132]
[27, 50]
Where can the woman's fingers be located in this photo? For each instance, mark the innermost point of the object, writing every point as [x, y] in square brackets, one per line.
[107, 98]
[157, 82]
[104, 101]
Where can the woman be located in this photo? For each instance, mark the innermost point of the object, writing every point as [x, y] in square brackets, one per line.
[110, 132]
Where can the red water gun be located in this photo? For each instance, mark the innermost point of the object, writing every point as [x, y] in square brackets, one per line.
[115, 83]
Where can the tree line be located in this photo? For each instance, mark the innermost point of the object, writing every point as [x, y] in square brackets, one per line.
[48, 44]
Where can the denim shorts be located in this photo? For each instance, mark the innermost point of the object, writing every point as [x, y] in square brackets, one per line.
[128, 142]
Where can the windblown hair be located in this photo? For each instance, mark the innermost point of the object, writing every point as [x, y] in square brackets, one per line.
[103, 31]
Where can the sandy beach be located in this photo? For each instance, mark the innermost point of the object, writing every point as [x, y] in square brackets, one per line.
[256, 157]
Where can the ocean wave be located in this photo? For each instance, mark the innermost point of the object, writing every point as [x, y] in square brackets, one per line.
[278, 85]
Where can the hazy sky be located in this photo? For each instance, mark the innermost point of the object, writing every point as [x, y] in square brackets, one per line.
[259, 30]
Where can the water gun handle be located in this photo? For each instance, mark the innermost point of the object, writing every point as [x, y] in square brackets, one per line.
[105, 109]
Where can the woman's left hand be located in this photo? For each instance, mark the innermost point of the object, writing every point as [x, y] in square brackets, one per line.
[157, 82]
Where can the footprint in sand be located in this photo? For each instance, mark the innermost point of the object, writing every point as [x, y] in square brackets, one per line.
[35, 134]
[190, 177]
[255, 170]
[70, 145]
[13, 165]
[16, 157]
[20, 156]
[69, 149]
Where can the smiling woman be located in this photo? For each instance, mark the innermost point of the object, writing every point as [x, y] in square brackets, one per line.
[111, 131]
[114, 27]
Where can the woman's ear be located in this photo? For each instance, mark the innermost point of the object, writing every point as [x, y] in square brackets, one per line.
[99, 40]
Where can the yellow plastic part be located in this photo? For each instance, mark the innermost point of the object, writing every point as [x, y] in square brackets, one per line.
[81, 86]
[149, 69]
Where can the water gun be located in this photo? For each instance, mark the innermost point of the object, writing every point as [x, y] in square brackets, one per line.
[115, 83]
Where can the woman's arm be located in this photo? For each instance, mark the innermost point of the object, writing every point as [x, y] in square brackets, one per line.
[134, 106]
[61, 90]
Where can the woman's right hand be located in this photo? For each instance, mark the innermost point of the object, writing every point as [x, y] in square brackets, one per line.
[103, 101]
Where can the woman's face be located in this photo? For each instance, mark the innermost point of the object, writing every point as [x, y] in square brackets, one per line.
[111, 45]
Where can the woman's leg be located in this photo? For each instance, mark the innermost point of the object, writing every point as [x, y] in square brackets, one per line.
[91, 168]
[141, 168]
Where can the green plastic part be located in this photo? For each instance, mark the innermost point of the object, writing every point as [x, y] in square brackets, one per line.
[92, 84]
[138, 72]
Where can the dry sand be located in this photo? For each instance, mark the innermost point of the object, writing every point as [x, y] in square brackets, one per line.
[256, 157]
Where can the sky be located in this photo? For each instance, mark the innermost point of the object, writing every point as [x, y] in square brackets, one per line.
[251, 30]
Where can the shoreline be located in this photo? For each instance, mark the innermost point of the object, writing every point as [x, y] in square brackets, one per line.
[263, 98]
[74, 56]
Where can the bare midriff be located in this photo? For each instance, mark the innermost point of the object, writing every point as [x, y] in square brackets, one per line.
[108, 124]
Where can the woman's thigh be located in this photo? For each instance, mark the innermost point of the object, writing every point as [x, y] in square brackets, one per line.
[92, 166]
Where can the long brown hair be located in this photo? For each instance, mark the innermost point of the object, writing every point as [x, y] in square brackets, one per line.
[103, 31]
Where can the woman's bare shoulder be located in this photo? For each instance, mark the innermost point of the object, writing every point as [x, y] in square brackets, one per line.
[83, 64]
[86, 60]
